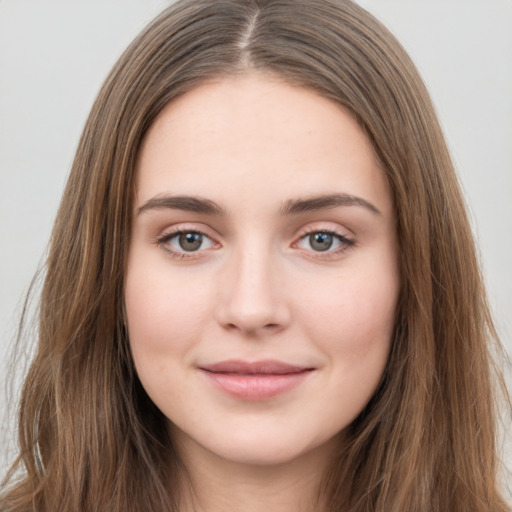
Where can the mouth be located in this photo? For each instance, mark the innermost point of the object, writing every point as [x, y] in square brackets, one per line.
[258, 380]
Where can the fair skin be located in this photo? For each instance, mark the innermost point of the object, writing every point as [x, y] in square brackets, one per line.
[261, 286]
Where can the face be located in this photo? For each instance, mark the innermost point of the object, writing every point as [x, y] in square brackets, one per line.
[262, 277]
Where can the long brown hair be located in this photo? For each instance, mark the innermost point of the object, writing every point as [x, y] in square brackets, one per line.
[90, 438]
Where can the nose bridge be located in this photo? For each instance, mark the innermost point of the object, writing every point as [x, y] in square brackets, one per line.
[252, 299]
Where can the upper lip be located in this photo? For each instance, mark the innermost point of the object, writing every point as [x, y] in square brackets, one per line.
[265, 367]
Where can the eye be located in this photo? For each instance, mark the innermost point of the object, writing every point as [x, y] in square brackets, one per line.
[323, 241]
[186, 242]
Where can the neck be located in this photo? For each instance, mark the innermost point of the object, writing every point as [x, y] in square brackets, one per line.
[215, 484]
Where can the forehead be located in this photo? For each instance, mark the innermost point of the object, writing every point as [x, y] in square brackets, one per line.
[259, 133]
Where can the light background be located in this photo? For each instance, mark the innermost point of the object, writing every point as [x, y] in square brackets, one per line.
[54, 55]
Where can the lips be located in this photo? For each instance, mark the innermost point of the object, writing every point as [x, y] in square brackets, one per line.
[267, 367]
[258, 380]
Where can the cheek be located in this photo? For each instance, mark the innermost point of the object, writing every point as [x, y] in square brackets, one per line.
[162, 311]
[352, 317]
[166, 319]
[352, 325]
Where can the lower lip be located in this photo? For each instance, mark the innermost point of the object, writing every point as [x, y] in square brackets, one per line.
[256, 387]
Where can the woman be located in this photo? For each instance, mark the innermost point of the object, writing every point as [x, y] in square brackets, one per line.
[262, 290]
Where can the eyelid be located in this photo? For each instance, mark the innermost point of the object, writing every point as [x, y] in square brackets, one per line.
[324, 227]
[346, 239]
[342, 234]
[168, 234]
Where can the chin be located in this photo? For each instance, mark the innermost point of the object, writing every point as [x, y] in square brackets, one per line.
[270, 450]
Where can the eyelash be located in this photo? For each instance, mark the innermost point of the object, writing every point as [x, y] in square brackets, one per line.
[346, 243]
[163, 242]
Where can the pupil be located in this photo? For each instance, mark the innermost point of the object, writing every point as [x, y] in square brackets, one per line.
[320, 241]
[190, 241]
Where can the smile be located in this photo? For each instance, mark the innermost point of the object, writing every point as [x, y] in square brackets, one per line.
[260, 380]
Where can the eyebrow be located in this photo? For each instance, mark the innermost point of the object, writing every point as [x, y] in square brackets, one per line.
[186, 203]
[291, 207]
[323, 202]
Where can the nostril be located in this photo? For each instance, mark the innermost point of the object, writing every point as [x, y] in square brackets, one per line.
[252, 329]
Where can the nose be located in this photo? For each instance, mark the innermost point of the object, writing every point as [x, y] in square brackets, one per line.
[253, 299]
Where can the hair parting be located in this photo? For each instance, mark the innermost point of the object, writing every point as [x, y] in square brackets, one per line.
[91, 439]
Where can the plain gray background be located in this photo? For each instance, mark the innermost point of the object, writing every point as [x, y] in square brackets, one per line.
[54, 55]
